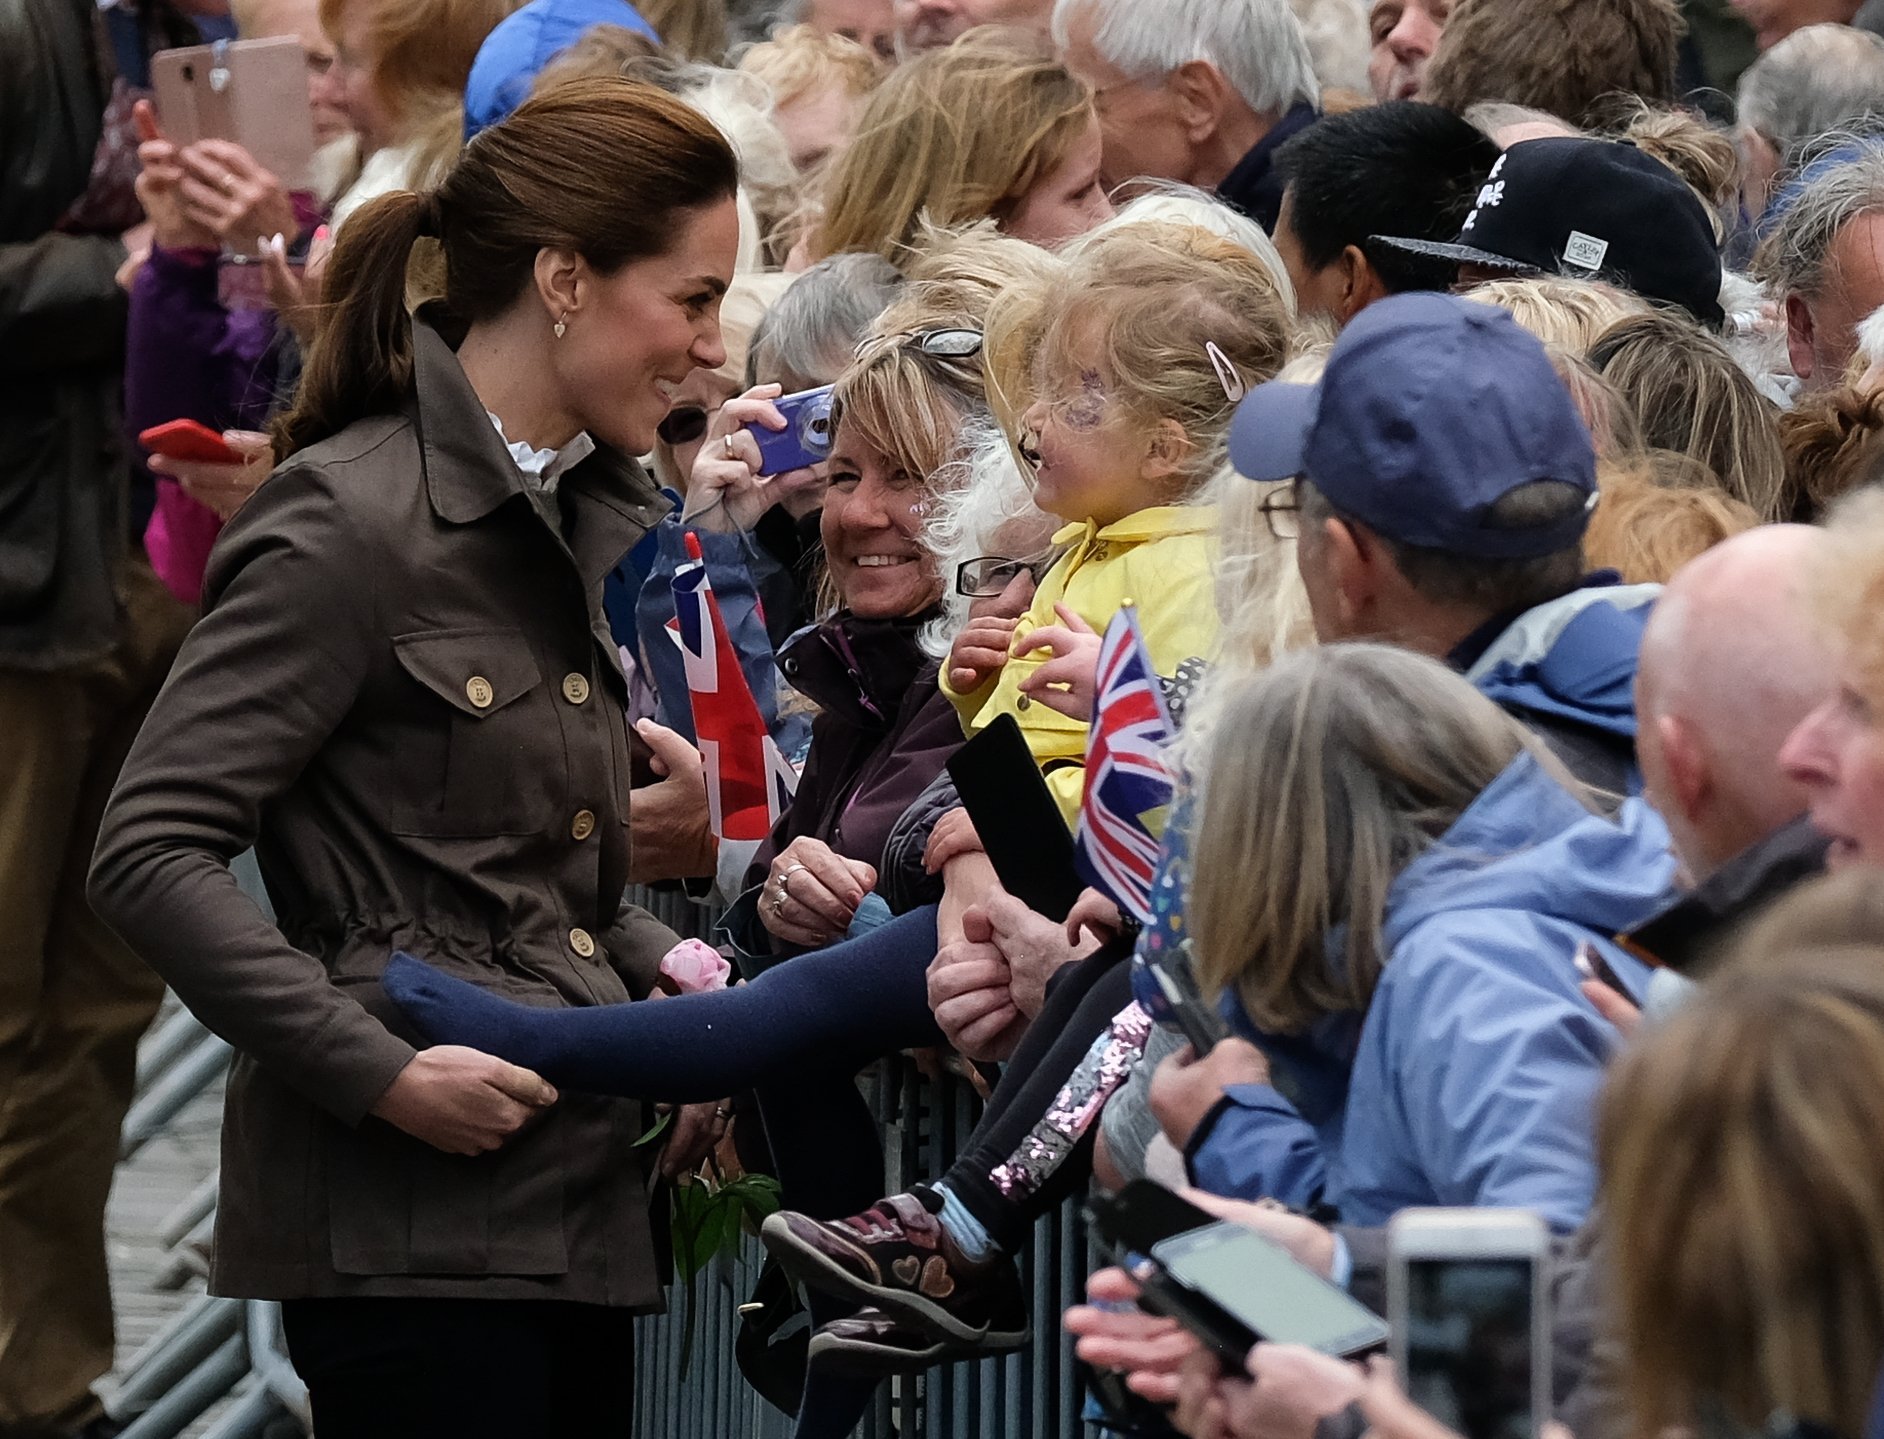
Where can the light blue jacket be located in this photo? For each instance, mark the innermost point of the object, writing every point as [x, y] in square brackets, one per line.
[1470, 1078]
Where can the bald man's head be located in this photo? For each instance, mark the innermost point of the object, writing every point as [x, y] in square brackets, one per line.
[1731, 661]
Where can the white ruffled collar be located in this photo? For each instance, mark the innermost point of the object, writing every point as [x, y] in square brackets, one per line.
[543, 468]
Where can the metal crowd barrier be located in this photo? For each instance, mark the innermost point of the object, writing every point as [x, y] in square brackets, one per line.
[217, 1348]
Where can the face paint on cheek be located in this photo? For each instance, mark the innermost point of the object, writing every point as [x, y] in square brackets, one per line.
[1087, 410]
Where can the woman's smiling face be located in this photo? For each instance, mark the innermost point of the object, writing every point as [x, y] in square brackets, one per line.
[1837, 755]
[873, 514]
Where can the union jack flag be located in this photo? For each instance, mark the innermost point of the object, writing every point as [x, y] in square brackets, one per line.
[749, 783]
[1128, 780]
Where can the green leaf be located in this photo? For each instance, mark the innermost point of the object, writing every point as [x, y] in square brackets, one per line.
[660, 1128]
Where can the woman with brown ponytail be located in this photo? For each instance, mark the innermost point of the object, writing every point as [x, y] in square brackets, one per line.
[404, 695]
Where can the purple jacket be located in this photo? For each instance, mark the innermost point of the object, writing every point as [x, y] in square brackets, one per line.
[190, 357]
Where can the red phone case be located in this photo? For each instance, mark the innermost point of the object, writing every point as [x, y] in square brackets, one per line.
[188, 440]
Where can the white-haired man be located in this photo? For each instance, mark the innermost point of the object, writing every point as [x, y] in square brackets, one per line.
[1198, 91]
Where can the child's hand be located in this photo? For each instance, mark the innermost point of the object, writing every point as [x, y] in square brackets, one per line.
[1075, 666]
[979, 651]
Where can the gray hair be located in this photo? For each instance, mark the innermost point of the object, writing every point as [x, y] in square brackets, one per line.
[1824, 77]
[1792, 259]
[1169, 203]
[1258, 45]
[811, 333]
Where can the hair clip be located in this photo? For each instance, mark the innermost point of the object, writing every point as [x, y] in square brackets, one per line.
[1233, 387]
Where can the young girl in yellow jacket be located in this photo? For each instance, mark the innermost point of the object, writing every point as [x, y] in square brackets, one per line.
[1141, 348]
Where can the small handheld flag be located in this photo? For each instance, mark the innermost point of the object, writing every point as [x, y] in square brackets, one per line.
[749, 783]
[1129, 784]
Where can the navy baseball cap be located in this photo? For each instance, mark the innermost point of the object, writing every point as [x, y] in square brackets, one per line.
[1431, 409]
[1600, 209]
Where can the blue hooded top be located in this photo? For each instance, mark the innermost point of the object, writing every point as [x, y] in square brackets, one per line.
[514, 54]
[1470, 1077]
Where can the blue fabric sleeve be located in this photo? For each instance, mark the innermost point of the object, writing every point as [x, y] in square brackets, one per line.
[1255, 1146]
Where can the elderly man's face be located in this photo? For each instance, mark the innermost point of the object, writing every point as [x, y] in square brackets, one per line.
[1140, 130]
[924, 24]
[1821, 330]
[1404, 34]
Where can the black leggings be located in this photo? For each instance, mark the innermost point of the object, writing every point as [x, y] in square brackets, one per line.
[1080, 1005]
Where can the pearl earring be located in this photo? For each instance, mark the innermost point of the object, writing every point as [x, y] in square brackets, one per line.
[562, 326]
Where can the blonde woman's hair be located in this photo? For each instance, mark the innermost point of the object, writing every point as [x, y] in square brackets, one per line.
[1570, 313]
[421, 51]
[1848, 591]
[1704, 158]
[1656, 514]
[1742, 1195]
[957, 135]
[803, 60]
[1144, 306]
[1324, 778]
[1691, 397]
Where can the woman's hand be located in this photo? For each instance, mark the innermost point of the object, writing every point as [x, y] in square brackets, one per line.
[1184, 1089]
[726, 491]
[1095, 914]
[227, 192]
[670, 824]
[295, 290]
[1034, 947]
[223, 488]
[1294, 1389]
[979, 651]
[811, 893]
[160, 187]
[1151, 1352]
[971, 993]
[462, 1100]
[1068, 681]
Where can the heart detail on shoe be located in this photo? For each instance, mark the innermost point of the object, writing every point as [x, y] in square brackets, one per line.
[937, 1282]
[907, 1269]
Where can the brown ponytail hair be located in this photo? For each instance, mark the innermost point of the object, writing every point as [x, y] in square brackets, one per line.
[605, 167]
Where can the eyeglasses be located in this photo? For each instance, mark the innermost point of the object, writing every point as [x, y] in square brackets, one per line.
[683, 425]
[987, 576]
[936, 344]
[1281, 510]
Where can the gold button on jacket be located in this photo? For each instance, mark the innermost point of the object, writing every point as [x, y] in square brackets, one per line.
[575, 689]
[583, 825]
[416, 622]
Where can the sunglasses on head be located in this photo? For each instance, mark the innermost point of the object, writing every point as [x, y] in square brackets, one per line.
[683, 425]
[957, 344]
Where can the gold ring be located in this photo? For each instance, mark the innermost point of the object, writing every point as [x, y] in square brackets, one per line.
[228, 182]
[726, 443]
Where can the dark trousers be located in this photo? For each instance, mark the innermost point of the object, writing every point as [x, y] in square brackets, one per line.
[467, 1368]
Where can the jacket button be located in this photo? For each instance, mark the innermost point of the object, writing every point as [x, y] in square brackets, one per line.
[582, 942]
[478, 690]
[1023, 702]
[583, 825]
[575, 688]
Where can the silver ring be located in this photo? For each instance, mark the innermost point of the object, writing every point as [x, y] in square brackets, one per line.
[785, 879]
[722, 1112]
[778, 904]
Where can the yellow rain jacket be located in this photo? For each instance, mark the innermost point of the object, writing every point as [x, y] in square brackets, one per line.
[1161, 560]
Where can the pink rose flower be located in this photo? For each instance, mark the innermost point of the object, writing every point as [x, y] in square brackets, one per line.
[695, 967]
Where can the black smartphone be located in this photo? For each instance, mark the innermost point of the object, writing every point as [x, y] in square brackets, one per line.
[1232, 1287]
[1592, 963]
[1020, 826]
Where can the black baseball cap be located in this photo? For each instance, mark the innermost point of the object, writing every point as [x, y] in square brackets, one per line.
[1600, 207]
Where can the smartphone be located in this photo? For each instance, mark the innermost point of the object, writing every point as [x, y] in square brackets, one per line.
[1265, 1292]
[1468, 1294]
[806, 438]
[1020, 826]
[253, 92]
[1591, 963]
[188, 440]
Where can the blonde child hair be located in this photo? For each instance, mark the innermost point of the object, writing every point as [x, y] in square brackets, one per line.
[957, 135]
[801, 61]
[1571, 313]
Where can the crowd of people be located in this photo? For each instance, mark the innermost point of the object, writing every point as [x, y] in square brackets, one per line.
[1472, 413]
